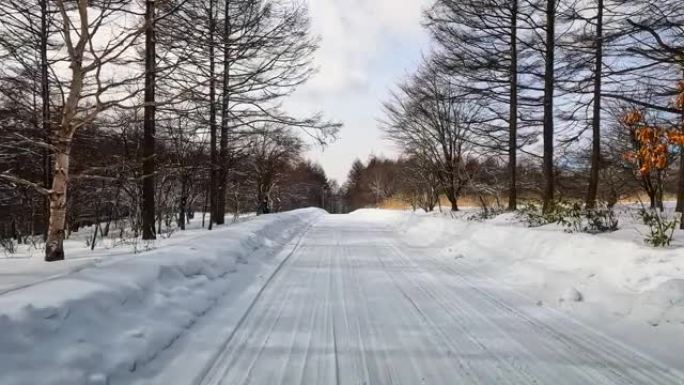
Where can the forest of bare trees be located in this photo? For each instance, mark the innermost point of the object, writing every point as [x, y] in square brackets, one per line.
[137, 114]
[542, 100]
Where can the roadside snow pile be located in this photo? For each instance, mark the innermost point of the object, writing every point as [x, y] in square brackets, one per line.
[611, 281]
[120, 314]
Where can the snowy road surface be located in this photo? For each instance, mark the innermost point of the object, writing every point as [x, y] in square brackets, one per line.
[353, 304]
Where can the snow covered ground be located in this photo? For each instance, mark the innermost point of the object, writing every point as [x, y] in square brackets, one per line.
[375, 297]
[613, 282]
[90, 318]
[25, 266]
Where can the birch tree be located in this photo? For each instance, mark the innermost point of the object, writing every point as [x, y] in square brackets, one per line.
[86, 88]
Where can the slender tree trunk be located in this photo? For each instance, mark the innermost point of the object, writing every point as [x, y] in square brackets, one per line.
[213, 210]
[14, 231]
[596, 118]
[96, 225]
[45, 113]
[148, 203]
[483, 203]
[236, 196]
[549, 82]
[54, 246]
[206, 204]
[680, 189]
[652, 199]
[454, 205]
[513, 113]
[182, 205]
[452, 197]
[261, 207]
[225, 117]
[660, 184]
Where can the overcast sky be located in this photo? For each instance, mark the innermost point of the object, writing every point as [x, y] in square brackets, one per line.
[366, 47]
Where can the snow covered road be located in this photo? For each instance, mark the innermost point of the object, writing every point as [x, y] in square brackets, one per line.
[354, 304]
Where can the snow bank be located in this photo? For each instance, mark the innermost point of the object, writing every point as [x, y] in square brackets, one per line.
[119, 314]
[610, 281]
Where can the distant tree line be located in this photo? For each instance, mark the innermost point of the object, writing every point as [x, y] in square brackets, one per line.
[143, 112]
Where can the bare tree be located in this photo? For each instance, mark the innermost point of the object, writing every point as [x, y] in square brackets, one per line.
[478, 45]
[272, 150]
[86, 92]
[429, 122]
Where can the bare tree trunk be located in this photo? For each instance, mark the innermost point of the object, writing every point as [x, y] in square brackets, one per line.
[236, 195]
[213, 183]
[204, 211]
[513, 113]
[14, 232]
[182, 204]
[483, 203]
[453, 199]
[549, 81]
[659, 191]
[96, 225]
[454, 205]
[45, 113]
[225, 117]
[596, 118]
[680, 189]
[54, 246]
[148, 203]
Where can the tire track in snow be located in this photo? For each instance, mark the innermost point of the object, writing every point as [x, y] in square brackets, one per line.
[516, 372]
[605, 360]
[351, 306]
[208, 374]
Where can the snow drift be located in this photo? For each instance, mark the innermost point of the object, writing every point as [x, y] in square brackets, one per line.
[631, 291]
[118, 315]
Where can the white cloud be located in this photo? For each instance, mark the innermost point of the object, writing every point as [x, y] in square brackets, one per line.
[366, 47]
[352, 30]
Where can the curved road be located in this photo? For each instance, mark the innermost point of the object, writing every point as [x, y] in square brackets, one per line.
[354, 305]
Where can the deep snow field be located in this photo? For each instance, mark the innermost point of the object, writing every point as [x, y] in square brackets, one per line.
[102, 315]
[612, 282]
[89, 319]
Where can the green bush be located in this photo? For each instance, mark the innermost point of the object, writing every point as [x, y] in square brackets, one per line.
[601, 219]
[661, 227]
[532, 215]
[572, 216]
[483, 215]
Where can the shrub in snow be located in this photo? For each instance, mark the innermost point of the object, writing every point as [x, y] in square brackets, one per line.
[572, 216]
[484, 214]
[601, 220]
[532, 215]
[7, 245]
[661, 227]
[563, 213]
